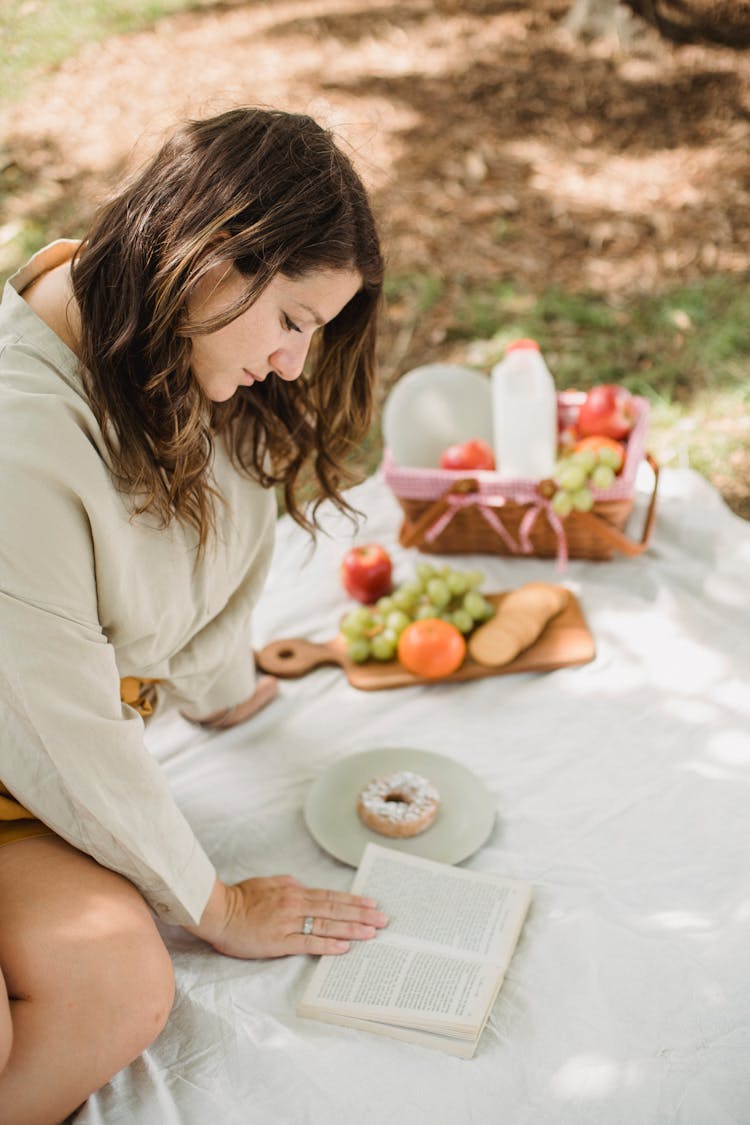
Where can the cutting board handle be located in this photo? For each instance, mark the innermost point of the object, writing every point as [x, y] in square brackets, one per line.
[294, 657]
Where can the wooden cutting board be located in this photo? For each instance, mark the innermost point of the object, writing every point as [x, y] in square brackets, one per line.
[566, 642]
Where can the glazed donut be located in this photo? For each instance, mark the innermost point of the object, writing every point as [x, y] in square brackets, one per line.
[401, 804]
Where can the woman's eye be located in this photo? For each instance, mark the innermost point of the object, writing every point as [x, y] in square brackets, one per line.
[290, 325]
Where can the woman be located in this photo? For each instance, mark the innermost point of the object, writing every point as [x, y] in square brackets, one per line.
[152, 395]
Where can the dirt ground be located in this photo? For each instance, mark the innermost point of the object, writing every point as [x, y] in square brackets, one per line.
[496, 145]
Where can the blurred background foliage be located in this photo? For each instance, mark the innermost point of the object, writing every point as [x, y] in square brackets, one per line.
[587, 186]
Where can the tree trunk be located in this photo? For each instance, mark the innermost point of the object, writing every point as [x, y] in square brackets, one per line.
[594, 18]
[726, 22]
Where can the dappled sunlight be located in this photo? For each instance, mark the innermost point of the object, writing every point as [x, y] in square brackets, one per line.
[654, 652]
[681, 920]
[732, 747]
[402, 42]
[701, 711]
[742, 914]
[632, 184]
[709, 770]
[725, 752]
[681, 665]
[591, 1076]
[564, 162]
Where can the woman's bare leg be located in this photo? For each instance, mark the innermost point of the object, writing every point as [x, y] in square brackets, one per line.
[87, 980]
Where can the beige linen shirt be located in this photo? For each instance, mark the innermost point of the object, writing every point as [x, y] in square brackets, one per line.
[90, 594]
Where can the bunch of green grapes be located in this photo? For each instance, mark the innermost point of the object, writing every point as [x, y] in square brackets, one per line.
[372, 632]
[576, 472]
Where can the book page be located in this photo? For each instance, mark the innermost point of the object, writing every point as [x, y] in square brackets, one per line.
[401, 984]
[444, 907]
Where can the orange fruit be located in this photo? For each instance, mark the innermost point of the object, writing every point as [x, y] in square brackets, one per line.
[431, 648]
[595, 442]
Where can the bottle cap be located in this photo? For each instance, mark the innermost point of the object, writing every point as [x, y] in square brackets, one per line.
[518, 345]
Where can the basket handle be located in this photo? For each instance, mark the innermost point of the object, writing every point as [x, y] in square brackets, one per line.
[614, 536]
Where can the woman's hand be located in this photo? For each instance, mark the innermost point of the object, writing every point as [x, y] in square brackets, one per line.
[264, 693]
[265, 917]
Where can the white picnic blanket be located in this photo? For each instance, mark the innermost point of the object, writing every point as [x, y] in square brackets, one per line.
[622, 791]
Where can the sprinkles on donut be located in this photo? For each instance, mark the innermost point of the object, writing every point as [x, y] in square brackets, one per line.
[400, 804]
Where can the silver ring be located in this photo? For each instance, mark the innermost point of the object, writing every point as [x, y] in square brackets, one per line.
[307, 925]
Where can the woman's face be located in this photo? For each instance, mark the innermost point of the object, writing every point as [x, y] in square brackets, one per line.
[273, 336]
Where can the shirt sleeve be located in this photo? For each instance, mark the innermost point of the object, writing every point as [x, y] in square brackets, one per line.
[74, 755]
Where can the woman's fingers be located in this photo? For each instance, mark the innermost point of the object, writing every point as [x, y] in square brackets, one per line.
[334, 927]
[317, 946]
[265, 692]
[349, 910]
[334, 920]
[325, 895]
[271, 917]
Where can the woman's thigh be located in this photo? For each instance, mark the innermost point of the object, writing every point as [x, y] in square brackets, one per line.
[88, 979]
[62, 910]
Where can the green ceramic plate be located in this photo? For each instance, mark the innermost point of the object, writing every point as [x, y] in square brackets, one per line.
[464, 821]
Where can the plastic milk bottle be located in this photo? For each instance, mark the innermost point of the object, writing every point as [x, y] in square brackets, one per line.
[524, 413]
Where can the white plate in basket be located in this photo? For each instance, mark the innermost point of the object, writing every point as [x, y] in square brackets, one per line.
[465, 819]
[432, 407]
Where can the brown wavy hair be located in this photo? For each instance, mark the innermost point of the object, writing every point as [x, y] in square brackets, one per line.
[271, 194]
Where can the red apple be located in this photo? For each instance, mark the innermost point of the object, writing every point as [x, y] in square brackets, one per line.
[616, 451]
[608, 410]
[474, 454]
[366, 573]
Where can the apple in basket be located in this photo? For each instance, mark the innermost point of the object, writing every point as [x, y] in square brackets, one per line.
[366, 573]
[606, 450]
[467, 455]
[609, 410]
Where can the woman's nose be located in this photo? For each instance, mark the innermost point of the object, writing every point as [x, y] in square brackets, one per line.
[288, 363]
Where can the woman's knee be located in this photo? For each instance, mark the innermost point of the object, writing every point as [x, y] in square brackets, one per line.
[156, 986]
[136, 1000]
[84, 948]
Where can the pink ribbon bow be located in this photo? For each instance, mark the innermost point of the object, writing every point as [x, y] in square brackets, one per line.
[487, 504]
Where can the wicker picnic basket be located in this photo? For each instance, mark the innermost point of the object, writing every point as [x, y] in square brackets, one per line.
[453, 512]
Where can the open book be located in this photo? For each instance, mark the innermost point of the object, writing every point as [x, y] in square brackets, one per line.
[432, 975]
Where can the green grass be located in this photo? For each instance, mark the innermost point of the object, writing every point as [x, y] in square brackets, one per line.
[668, 346]
[420, 292]
[38, 34]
